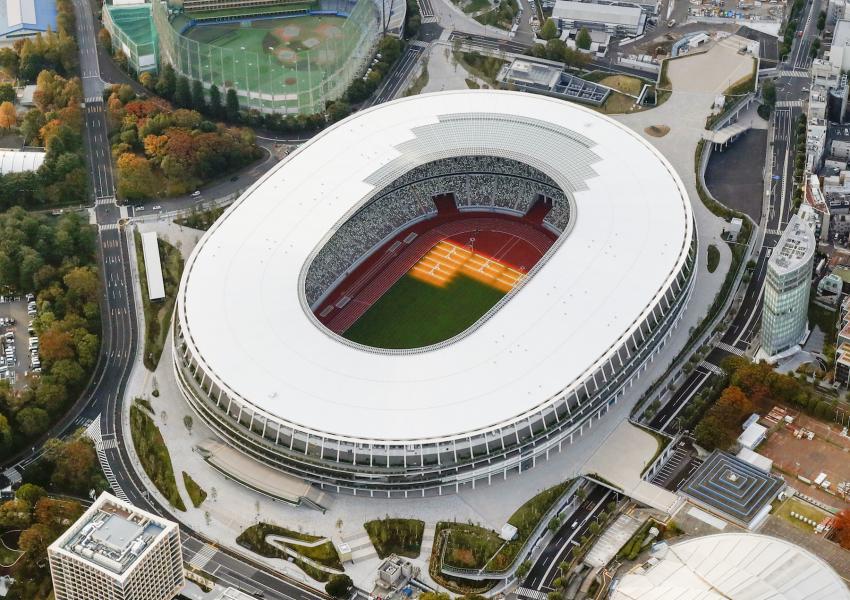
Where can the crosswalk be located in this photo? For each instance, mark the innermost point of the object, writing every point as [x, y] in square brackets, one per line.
[202, 557]
[711, 368]
[91, 99]
[729, 348]
[108, 226]
[790, 103]
[800, 74]
[13, 475]
[100, 446]
[105, 200]
[773, 232]
[530, 594]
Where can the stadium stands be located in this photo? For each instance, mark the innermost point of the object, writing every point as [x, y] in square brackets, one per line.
[477, 182]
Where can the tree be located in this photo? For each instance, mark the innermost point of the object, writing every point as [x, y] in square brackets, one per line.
[215, 101]
[710, 433]
[15, 514]
[167, 82]
[583, 40]
[8, 115]
[74, 462]
[105, 40]
[842, 529]
[32, 421]
[35, 541]
[768, 93]
[187, 422]
[231, 105]
[30, 493]
[7, 92]
[182, 93]
[147, 80]
[338, 586]
[523, 569]
[549, 30]
[199, 101]
[57, 514]
[135, 177]
[5, 434]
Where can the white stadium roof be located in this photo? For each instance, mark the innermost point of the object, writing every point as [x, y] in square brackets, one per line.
[742, 566]
[245, 318]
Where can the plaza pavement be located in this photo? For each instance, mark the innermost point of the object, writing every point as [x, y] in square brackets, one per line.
[230, 508]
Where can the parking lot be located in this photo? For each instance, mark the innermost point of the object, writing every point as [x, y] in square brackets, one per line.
[681, 465]
[15, 355]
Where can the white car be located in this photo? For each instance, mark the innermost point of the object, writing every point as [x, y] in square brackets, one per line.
[157, 207]
[196, 193]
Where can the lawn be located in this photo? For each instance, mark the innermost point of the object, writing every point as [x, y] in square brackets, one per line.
[153, 454]
[485, 67]
[7, 555]
[158, 314]
[623, 83]
[616, 104]
[196, 492]
[396, 536]
[801, 508]
[413, 314]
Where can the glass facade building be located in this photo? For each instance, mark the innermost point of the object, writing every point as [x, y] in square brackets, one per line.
[786, 290]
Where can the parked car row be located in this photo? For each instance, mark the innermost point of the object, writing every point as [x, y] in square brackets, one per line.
[8, 360]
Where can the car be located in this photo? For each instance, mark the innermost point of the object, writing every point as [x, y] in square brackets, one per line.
[140, 208]
[196, 193]
[157, 207]
[234, 178]
[574, 525]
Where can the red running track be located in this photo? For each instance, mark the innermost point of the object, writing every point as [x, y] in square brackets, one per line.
[516, 241]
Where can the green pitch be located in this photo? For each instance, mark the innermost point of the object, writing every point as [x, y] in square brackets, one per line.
[413, 314]
[277, 56]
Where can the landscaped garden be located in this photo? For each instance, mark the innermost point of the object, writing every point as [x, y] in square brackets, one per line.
[396, 536]
[254, 539]
[158, 314]
[196, 493]
[154, 456]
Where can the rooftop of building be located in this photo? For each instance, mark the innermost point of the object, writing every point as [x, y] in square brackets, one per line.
[841, 35]
[744, 566]
[602, 13]
[732, 488]
[795, 248]
[20, 18]
[112, 534]
[838, 132]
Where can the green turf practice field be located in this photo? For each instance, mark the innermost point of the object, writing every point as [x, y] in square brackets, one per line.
[413, 314]
[277, 56]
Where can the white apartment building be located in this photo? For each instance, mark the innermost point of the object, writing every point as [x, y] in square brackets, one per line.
[839, 51]
[613, 19]
[786, 290]
[116, 550]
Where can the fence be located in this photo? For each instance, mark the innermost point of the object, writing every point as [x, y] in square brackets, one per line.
[274, 78]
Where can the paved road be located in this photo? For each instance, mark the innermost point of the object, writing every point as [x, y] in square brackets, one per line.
[397, 76]
[545, 570]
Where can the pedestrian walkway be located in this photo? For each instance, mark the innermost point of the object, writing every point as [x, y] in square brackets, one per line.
[790, 103]
[711, 368]
[202, 557]
[361, 547]
[531, 594]
[94, 433]
[730, 349]
[427, 542]
[802, 74]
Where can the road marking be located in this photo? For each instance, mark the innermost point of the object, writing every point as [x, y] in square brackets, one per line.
[532, 594]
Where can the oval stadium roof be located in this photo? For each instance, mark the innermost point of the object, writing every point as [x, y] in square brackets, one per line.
[243, 311]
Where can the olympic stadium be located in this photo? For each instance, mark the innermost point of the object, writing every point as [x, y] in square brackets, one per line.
[435, 292]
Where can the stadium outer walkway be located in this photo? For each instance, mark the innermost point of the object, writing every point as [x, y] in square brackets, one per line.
[491, 505]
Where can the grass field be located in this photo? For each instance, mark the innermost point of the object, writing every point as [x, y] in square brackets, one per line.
[274, 55]
[413, 314]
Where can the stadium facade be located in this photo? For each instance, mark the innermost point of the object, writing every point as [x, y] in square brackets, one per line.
[529, 378]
